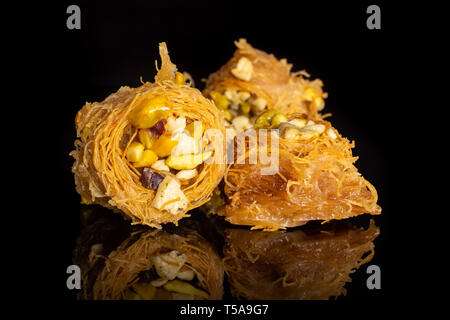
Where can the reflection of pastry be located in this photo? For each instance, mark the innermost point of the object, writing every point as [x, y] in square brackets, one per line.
[143, 150]
[151, 264]
[295, 265]
[103, 232]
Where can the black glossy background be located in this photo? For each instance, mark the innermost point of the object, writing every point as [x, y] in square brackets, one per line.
[118, 43]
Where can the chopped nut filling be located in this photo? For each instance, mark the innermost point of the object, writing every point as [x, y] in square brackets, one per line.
[169, 278]
[170, 197]
[243, 69]
[169, 144]
[239, 108]
[168, 264]
[300, 129]
[159, 128]
[235, 103]
[160, 165]
[150, 179]
[187, 174]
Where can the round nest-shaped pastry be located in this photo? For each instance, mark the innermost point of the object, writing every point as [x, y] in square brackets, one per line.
[297, 265]
[129, 271]
[265, 77]
[312, 177]
[108, 144]
[103, 232]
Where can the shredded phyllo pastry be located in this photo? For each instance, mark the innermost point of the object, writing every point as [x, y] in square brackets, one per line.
[316, 179]
[253, 81]
[295, 265]
[142, 151]
[160, 150]
[156, 265]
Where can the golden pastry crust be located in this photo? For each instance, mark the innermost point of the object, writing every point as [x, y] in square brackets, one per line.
[271, 80]
[104, 176]
[316, 180]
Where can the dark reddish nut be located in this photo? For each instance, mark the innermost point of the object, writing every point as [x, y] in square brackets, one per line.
[148, 275]
[159, 128]
[150, 179]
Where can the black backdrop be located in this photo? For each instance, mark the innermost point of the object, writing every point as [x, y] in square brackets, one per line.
[117, 44]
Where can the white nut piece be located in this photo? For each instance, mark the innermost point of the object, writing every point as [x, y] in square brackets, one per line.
[318, 128]
[95, 251]
[176, 126]
[186, 145]
[241, 123]
[299, 123]
[168, 265]
[243, 95]
[258, 105]
[290, 131]
[160, 165]
[243, 69]
[170, 197]
[233, 97]
[187, 275]
[186, 174]
[159, 282]
[331, 133]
